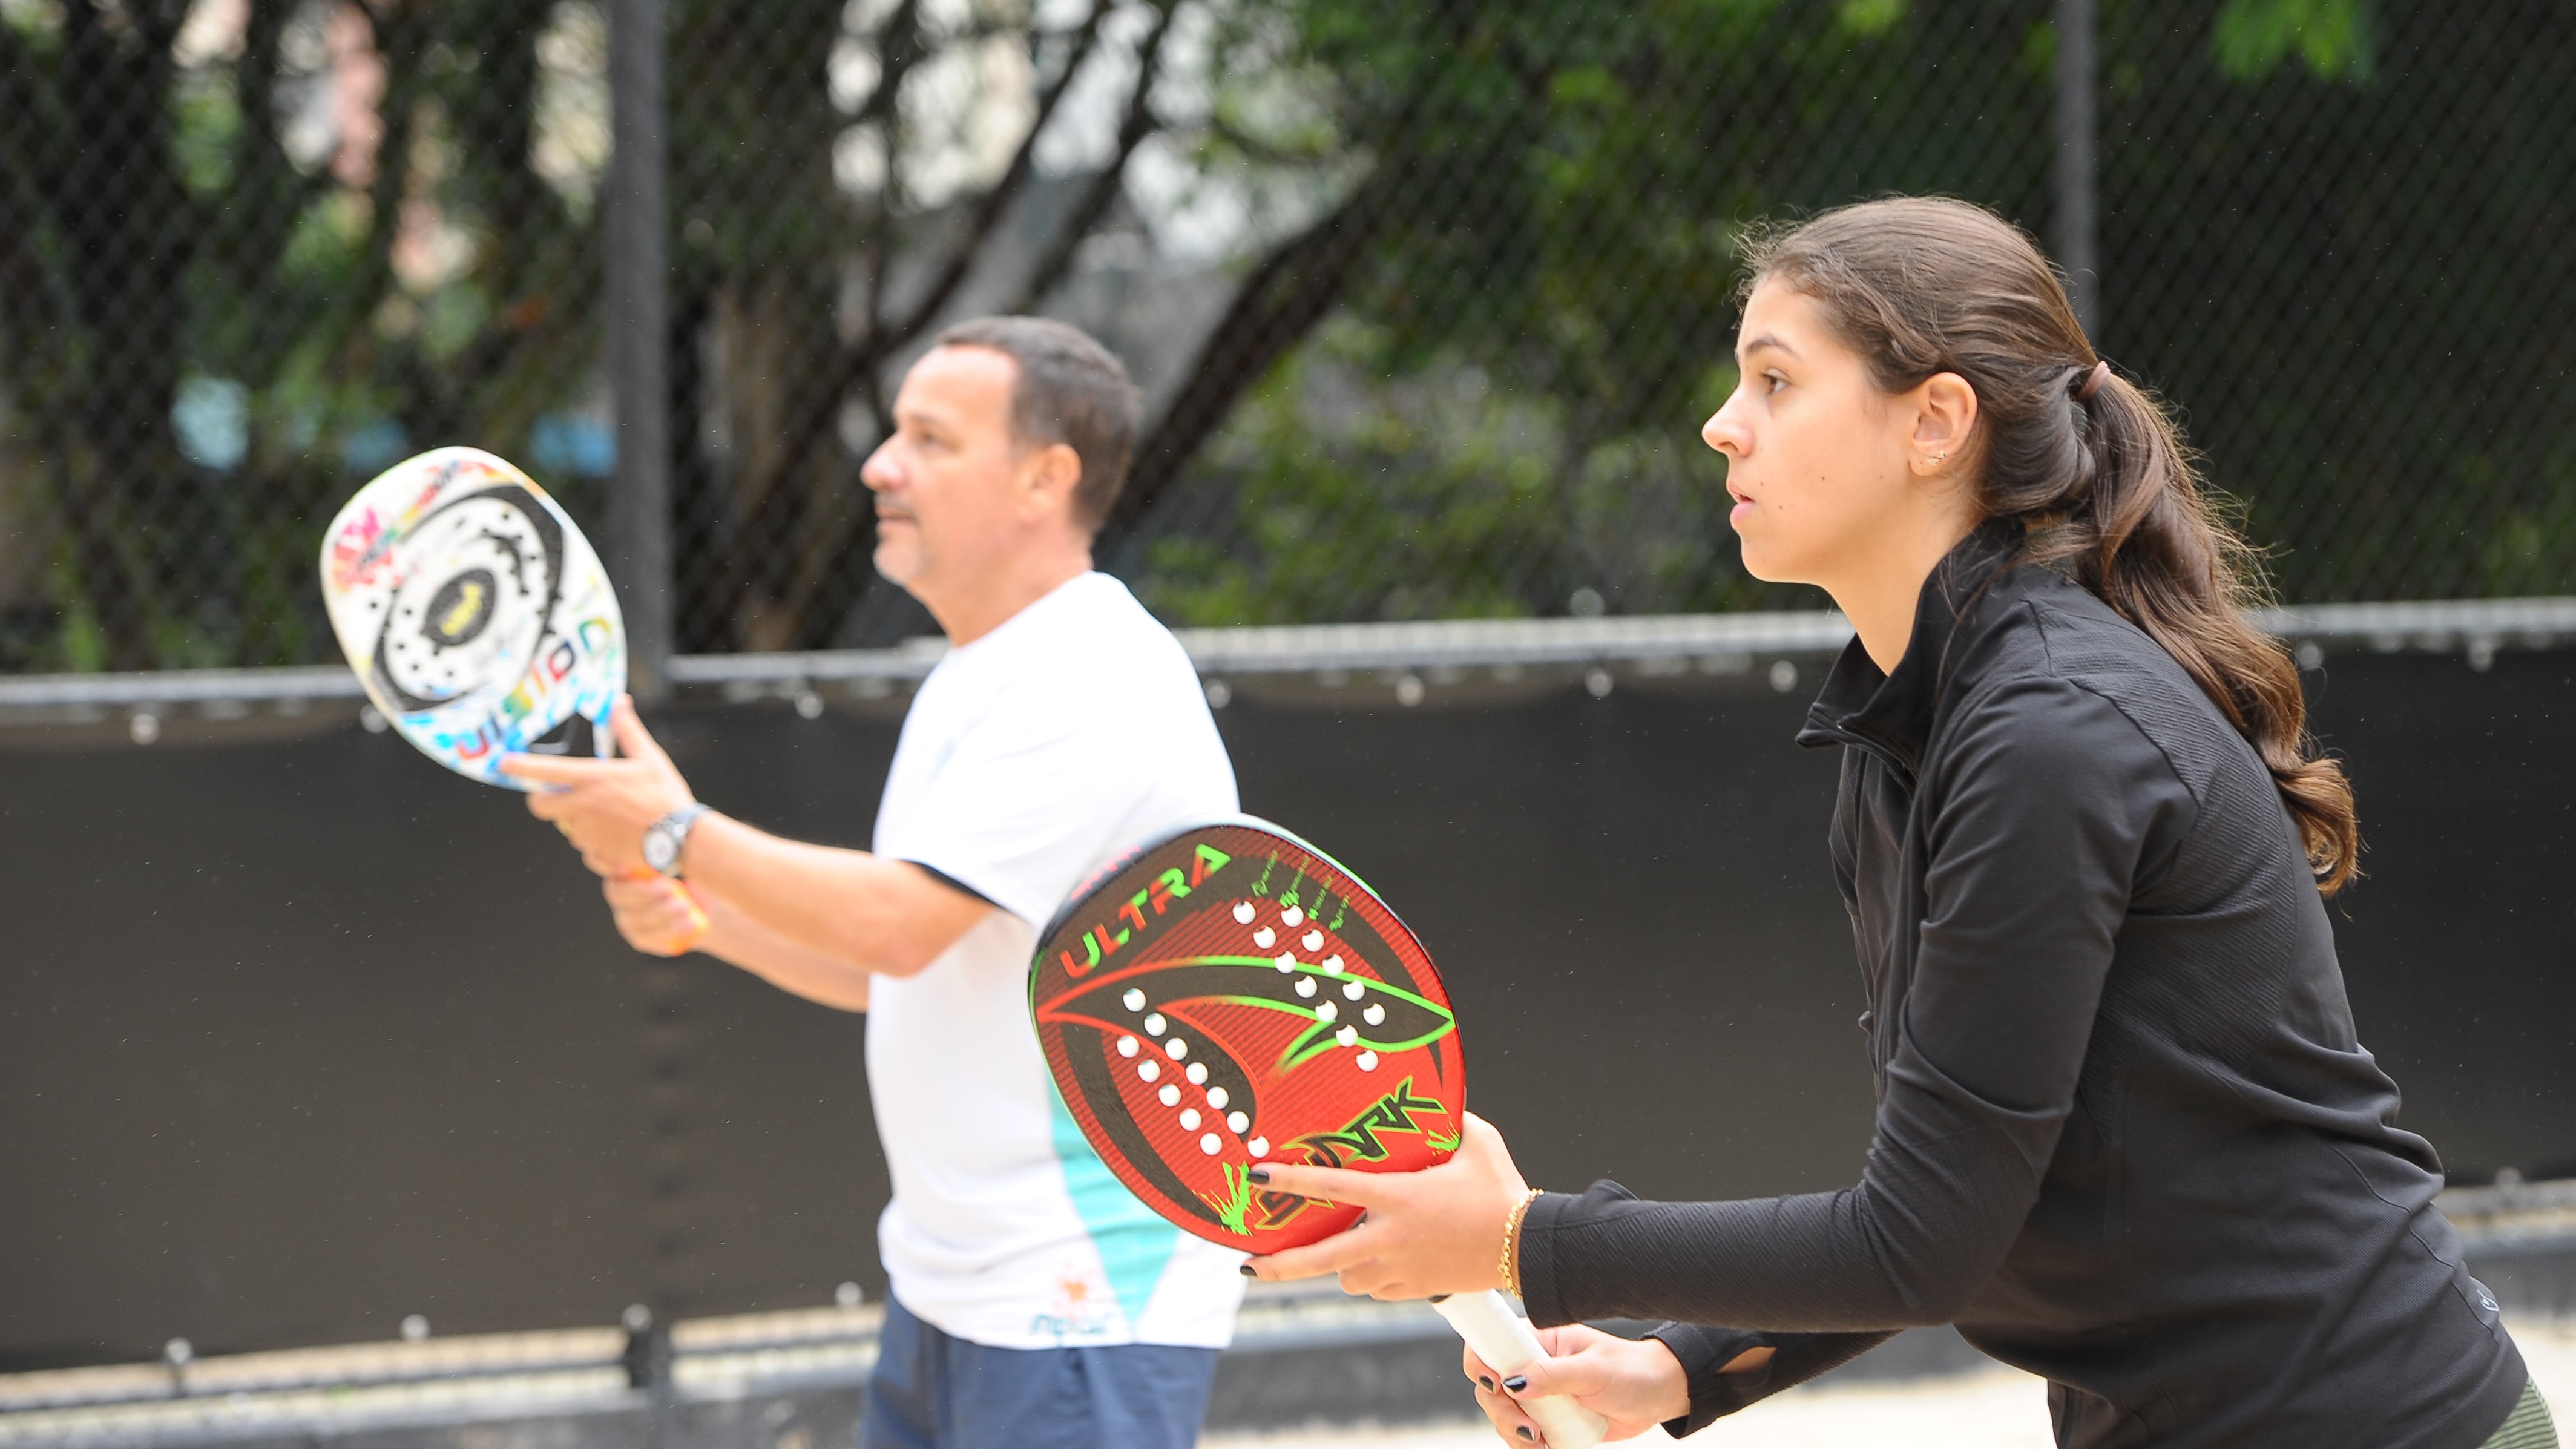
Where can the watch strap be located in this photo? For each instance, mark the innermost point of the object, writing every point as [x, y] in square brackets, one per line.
[673, 827]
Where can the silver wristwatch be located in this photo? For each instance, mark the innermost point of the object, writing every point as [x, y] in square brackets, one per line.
[664, 838]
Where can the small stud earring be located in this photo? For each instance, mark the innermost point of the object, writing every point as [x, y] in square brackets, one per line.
[1941, 457]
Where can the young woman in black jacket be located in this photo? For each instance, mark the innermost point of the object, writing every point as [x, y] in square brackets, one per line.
[2126, 1138]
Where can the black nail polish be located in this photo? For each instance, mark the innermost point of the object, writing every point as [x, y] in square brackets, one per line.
[1246, 1270]
[1484, 1383]
[1260, 1176]
[1516, 1382]
[1523, 1431]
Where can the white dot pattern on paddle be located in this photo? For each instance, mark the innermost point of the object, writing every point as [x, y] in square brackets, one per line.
[1134, 999]
[1374, 1014]
[1305, 986]
[1237, 1121]
[1197, 1073]
[1314, 940]
[1126, 1046]
[1354, 990]
[1286, 963]
[1189, 1119]
[1326, 1011]
[1333, 965]
[1170, 1095]
[1243, 912]
[1217, 1098]
[1154, 1024]
[1177, 1047]
[1258, 1147]
[1292, 916]
[1347, 1036]
[1210, 1143]
[1265, 938]
[1368, 1061]
[1149, 1069]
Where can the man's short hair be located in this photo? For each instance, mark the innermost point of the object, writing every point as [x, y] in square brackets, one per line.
[1070, 390]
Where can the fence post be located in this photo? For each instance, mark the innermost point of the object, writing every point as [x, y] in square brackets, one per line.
[638, 285]
[2078, 217]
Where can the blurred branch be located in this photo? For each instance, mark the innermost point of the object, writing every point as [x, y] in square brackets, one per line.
[32, 122]
[814, 434]
[894, 336]
[842, 572]
[900, 54]
[399, 39]
[811, 431]
[157, 22]
[129, 233]
[1292, 290]
[269, 195]
[899, 49]
[1102, 193]
[1286, 296]
[1267, 153]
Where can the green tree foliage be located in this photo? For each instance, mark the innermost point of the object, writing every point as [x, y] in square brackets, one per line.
[2327, 225]
[2333, 37]
[197, 227]
[1574, 182]
[317, 234]
[1483, 263]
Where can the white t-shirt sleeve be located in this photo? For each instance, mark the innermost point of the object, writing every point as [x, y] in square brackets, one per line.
[1023, 807]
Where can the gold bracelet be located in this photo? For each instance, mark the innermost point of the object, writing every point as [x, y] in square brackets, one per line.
[1511, 1240]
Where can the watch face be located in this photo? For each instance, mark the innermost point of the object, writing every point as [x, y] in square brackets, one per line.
[660, 850]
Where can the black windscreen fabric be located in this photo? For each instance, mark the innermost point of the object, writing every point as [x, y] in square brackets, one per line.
[300, 1034]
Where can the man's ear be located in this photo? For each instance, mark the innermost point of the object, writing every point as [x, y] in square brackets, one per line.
[1048, 477]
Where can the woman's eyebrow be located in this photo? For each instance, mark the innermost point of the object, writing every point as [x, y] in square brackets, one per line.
[1753, 345]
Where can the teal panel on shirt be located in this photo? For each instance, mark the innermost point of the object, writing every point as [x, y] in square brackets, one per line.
[1133, 1241]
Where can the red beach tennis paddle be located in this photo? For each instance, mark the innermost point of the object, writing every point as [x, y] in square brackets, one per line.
[1229, 996]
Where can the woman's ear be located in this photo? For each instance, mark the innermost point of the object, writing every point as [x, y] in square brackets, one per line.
[1945, 416]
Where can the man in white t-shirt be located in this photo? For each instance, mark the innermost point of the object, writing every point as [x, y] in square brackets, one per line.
[1036, 1302]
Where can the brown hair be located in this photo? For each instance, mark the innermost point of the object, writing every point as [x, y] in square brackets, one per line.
[2105, 484]
[1070, 390]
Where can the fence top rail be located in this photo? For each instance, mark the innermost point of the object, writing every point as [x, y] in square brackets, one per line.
[2478, 627]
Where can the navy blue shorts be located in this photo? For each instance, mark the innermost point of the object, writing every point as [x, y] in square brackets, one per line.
[931, 1391]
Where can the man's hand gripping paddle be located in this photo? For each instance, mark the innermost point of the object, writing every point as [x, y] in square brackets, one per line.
[476, 615]
[1230, 997]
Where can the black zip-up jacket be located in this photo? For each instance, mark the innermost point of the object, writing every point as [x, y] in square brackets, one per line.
[2126, 1138]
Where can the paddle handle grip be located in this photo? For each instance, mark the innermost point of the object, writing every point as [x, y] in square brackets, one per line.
[1503, 1339]
[699, 925]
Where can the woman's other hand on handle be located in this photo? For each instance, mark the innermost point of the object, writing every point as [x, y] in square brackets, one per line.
[1635, 1385]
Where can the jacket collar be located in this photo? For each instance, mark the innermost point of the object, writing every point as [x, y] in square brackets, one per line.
[1893, 713]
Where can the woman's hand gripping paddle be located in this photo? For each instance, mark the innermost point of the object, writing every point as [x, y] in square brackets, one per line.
[1231, 998]
[476, 615]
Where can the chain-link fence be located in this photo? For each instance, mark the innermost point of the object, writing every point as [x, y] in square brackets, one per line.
[1428, 296]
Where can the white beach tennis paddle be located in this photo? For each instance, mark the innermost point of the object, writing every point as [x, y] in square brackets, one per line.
[475, 613]
[477, 616]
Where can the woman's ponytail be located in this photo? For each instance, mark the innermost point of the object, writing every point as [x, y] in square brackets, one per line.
[2093, 465]
[2143, 538]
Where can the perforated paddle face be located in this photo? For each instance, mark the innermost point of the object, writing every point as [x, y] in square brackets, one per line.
[475, 612]
[1231, 997]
